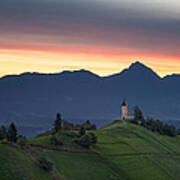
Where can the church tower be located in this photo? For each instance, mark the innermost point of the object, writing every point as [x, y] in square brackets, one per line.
[124, 110]
[125, 114]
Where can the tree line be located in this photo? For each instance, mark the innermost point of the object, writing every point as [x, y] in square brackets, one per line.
[82, 138]
[65, 125]
[9, 134]
[153, 125]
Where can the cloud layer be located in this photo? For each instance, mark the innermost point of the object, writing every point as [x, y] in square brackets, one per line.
[115, 27]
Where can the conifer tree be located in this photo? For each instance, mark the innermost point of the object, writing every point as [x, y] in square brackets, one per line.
[12, 133]
[58, 122]
[3, 133]
[138, 116]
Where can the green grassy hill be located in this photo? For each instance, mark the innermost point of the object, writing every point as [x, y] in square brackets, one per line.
[123, 151]
[16, 165]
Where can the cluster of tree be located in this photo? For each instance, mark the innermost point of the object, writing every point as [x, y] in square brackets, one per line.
[10, 134]
[87, 125]
[153, 125]
[81, 138]
[86, 139]
[58, 125]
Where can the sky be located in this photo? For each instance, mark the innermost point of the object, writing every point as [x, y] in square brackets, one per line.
[98, 35]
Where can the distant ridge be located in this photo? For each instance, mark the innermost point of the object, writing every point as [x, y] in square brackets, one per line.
[34, 98]
[136, 65]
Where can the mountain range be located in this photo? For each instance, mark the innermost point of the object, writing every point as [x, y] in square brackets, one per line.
[33, 99]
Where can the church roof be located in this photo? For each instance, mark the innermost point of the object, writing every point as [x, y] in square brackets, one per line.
[124, 103]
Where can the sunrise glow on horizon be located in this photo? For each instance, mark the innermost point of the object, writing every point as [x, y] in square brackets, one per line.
[51, 36]
[20, 61]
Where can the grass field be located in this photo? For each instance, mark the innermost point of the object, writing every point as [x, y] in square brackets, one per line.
[83, 166]
[124, 151]
[141, 154]
[15, 165]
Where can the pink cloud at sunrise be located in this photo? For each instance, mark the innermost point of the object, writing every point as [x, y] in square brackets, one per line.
[51, 36]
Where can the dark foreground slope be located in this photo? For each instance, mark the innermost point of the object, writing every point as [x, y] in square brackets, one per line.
[123, 151]
[15, 165]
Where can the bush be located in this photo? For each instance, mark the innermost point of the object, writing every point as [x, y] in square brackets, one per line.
[93, 138]
[68, 126]
[82, 131]
[157, 126]
[72, 134]
[84, 141]
[55, 142]
[22, 141]
[169, 130]
[45, 164]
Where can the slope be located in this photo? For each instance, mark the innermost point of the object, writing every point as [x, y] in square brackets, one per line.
[16, 165]
[124, 151]
[140, 153]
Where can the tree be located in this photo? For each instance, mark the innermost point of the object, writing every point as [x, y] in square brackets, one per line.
[67, 125]
[138, 116]
[55, 142]
[93, 127]
[3, 133]
[93, 138]
[82, 131]
[169, 130]
[88, 122]
[22, 141]
[12, 133]
[45, 164]
[84, 141]
[58, 122]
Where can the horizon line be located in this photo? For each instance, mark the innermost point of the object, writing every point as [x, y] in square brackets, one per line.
[84, 69]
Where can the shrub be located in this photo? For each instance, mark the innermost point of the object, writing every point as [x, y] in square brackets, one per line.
[67, 126]
[22, 141]
[169, 130]
[72, 134]
[93, 138]
[84, 141]
[55, 142]
[45, 164]
[82, 131]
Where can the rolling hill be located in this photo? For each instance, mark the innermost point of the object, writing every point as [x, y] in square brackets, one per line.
[124, 151]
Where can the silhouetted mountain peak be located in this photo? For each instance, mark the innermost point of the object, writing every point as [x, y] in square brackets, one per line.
[138, 69]
[138, 65]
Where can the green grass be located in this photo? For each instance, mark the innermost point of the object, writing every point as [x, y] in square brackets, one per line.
[124, 151]
[83, 166]
[140, 153]
[15, 165]
[44, 140]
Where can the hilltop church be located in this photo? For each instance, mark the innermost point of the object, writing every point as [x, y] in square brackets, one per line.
[125, 115]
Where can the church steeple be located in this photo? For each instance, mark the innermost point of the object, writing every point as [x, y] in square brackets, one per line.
[125, 115]
[124, 103]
